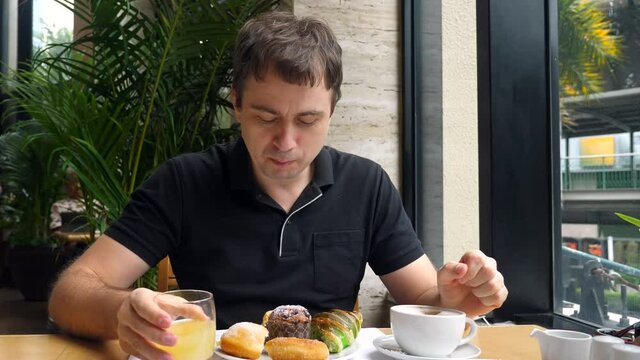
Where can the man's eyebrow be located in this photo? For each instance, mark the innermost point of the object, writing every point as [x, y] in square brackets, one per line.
[265, 109]
[274, 112]
[311, 113]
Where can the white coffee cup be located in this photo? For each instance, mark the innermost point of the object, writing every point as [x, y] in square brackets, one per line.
[602, 347]
[429, 330]
[626, 352]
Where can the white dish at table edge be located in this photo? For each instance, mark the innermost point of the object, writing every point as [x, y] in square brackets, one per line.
[388, 346]
[342, 355]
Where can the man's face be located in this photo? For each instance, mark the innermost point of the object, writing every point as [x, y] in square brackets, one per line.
[284, 126]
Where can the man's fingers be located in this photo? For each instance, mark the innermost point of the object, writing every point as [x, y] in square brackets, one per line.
[189, 311]
[132, 343]
[153, 333]
[177, 306]
[485, 273]
[480, 267]
[142, 302]
[451, 272]
[490, 287]
[495, 300]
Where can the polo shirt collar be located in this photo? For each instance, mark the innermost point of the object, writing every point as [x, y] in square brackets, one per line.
[323, 174]
[241, 173]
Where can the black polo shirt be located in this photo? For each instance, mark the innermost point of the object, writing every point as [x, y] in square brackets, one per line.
[225, 235]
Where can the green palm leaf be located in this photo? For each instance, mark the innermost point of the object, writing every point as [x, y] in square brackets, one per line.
[631, 220]
[588, 46]
[135, 89]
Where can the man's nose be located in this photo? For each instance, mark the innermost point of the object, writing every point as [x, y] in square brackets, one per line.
[285, 138]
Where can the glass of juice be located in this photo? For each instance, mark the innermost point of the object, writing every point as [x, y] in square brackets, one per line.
[194, 323]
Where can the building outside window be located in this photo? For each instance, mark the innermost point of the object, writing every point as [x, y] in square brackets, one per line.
[599, 61]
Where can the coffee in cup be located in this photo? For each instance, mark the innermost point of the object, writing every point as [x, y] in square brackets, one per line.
[432, 331]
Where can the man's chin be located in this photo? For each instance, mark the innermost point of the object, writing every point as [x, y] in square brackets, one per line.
[280, 174]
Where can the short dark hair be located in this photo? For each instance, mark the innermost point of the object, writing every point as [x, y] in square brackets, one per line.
[303, 51]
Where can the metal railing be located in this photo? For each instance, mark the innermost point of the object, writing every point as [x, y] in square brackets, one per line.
[601, 172]
[594, 308]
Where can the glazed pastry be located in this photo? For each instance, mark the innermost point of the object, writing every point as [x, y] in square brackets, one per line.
[290, 348]
[244, 340]
[337, 328]
[288, 321]
[265, 318]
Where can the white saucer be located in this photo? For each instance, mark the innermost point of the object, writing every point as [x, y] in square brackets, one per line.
[388, 346]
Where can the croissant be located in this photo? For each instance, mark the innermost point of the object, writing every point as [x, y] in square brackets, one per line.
[337, 328]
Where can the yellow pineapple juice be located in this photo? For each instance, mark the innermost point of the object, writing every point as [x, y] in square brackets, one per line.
[196, 339]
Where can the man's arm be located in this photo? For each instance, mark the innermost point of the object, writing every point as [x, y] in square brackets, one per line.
[87, 296]
[472, 284]
[415, 283]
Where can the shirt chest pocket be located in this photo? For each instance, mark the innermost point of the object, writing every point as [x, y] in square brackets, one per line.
[338, 261]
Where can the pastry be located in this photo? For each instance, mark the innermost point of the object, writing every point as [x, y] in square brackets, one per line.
[288, 321]
[337, 328]
[244, 339]
[265, 318]
[290, 348]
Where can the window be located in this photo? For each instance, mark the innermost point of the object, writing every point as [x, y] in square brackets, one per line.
[556, 162]
[52, 23]
[518, 140]
[27, 26]
[599, 98]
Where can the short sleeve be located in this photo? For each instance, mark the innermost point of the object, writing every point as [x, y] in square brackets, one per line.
[394, 241]
[150, 224]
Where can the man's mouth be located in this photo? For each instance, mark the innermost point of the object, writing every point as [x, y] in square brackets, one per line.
[281, 161]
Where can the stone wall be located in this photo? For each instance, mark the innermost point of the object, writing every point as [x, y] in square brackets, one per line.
[367, 118]
[461, 204]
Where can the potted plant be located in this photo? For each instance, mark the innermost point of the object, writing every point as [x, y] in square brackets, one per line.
[140, 85]
[32, 174]
[8, 218]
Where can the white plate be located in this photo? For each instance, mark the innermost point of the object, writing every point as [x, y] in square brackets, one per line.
[342, 355]
[388, 346]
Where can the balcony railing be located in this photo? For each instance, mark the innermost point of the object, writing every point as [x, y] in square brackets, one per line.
[580, 271]
[601, 172]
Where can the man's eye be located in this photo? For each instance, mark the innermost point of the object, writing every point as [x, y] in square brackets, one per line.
[266, 120]
[308, 121]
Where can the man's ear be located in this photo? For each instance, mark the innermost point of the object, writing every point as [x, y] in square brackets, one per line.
[235, 106]
[234, 97]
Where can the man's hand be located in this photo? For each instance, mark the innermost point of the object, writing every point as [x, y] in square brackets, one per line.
[142, 321]
[472, 285]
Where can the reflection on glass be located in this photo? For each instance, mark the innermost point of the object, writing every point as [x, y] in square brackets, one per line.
[52, 23]
[600, 160]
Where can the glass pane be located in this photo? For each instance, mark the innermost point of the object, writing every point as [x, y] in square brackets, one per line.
[600, 171]
[52, 24]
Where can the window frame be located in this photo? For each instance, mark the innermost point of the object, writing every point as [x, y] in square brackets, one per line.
[519, 174]
[515, 118]
[520, 213]
[422, 123]
[25, 34]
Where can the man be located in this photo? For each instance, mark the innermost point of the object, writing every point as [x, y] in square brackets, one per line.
[274, 218]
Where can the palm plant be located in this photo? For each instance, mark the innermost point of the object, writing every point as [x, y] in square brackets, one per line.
[630, 219]
[32, 174]
[135, 89]
[588, 46]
